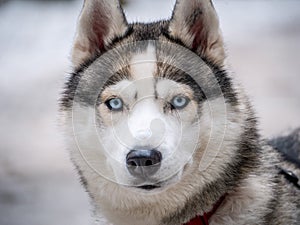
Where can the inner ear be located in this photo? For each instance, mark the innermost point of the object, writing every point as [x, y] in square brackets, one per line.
[196, 24]
[100, 22]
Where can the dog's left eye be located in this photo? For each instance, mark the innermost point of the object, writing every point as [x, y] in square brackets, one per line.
[179, 102]
[114, 104]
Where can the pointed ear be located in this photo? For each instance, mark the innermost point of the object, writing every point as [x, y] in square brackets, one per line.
[100, 22]
[196, 24]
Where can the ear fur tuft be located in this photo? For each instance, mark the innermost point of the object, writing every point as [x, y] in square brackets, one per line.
[100, 22]
[196, 24]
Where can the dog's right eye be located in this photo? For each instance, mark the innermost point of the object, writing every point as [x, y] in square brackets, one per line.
[114, 104]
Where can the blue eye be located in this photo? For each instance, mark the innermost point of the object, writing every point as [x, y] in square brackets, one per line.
[179, 102]
[115, 104]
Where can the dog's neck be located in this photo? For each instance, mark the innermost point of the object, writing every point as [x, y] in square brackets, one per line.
[204, 219]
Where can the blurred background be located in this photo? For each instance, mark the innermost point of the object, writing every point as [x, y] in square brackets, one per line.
[38, 185]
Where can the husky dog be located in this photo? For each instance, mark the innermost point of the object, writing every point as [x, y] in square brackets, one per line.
[159, 132]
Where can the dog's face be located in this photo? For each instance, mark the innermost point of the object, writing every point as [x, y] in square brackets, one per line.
[148, 123]
[152, 120]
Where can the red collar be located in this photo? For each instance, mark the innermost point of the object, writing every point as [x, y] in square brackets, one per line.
[203, 220]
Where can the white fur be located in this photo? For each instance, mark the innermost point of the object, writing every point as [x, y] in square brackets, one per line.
[143, 64]
[143, 69]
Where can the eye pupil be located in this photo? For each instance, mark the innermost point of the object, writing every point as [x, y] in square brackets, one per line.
[179, 100]
[115, 102]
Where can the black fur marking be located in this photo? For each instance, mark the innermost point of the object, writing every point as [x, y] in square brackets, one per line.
[167, 108]
[136, 96]
[68, 94]
[83, 181]
[290, 176]
[226, 86]
[149, 31]
[175, 74]
[118, 39]
[120, 75]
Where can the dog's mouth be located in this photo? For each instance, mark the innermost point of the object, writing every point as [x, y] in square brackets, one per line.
[153, 185]
[148, 187]
[158, 185]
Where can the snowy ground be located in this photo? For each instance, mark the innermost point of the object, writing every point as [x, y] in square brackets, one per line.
[37, 183]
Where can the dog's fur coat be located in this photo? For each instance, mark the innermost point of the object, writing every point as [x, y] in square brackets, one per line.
[248, 169]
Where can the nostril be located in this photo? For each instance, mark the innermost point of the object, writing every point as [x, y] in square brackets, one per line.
[148, 163]
[155, 157]
[132, 163]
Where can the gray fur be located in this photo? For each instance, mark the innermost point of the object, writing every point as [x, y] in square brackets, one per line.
[289, 146]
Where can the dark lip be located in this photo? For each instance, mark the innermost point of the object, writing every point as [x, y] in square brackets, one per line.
[157, 185]
[148, 187]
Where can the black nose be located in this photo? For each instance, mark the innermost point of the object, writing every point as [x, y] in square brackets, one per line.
[143, 163]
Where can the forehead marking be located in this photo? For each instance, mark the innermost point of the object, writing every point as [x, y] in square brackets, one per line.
[143, 67]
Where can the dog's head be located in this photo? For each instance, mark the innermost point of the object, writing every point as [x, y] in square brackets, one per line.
[149, 102]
